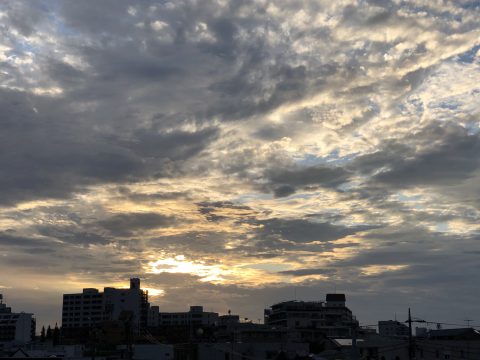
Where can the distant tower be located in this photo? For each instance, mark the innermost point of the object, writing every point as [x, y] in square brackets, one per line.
[135, 283]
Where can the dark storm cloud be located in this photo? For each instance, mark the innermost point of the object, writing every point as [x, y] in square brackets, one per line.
[285, 181]
[208, 209]
[44, 156]
[176, 145]
[283, 190]
[15, 241]
[128, 223]
[452, 157]
[307, 272]
[289, 84]
[303, 231]
[76, 235]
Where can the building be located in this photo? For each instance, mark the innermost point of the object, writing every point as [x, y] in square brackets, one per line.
[153, 316]
[370, 347]
[15, 328]
[450, 344]
[392, 328]
[85, 310]
[330, 318]
[194, 317]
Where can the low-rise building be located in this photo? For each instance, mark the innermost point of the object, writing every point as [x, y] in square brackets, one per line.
[449, 344]
[194, 317]
[332, 318]
[15, 328]
[392, 328]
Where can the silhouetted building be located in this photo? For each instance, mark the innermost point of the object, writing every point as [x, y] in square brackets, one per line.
[392, 328]
[332, 318]
[195, 317]
[450, 344]
[15, 328]
[85, 310]
[177, 327]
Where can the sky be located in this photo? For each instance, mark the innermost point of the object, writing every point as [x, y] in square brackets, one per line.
[234, 154]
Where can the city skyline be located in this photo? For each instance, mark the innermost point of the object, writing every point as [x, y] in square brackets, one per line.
[238, 153]
[428, 324]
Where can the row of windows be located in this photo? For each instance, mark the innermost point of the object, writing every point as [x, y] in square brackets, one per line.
[72, 308]
[87, 320]
[180, 316]
[71, 313]
[79, 296]
[84, 301]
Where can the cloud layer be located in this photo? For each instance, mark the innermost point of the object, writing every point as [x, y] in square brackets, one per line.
[242, 149]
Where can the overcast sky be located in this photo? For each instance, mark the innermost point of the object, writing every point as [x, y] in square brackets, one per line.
[230, 152]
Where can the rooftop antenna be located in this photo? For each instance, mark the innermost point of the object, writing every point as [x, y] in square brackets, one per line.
[468, 321]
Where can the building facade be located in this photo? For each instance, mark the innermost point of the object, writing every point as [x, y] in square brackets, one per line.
[392, 328]
[91, 307]
[195, 317]
[331, 318]
[15, 328]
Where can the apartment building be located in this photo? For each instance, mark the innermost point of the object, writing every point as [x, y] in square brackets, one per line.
[332, 318]
[91, 307]
[15, 328]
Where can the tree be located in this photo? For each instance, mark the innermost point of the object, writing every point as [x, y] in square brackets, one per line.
[49, 333]
[42, 334]
[56, 335]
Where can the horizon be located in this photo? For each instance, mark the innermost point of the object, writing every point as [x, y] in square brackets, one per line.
[237, 152]
[369, 324]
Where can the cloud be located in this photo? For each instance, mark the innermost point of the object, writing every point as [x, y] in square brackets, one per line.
[288, 179]
[307, 272]
[127, 224]
[303, 231]
[313, 144]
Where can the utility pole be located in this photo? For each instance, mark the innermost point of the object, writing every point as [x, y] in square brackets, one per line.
[411, 349]
[468, 341]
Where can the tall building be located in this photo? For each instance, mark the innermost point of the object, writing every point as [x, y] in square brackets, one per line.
[15, 328]
[91, 307]
[332, 317]
[392, 328]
